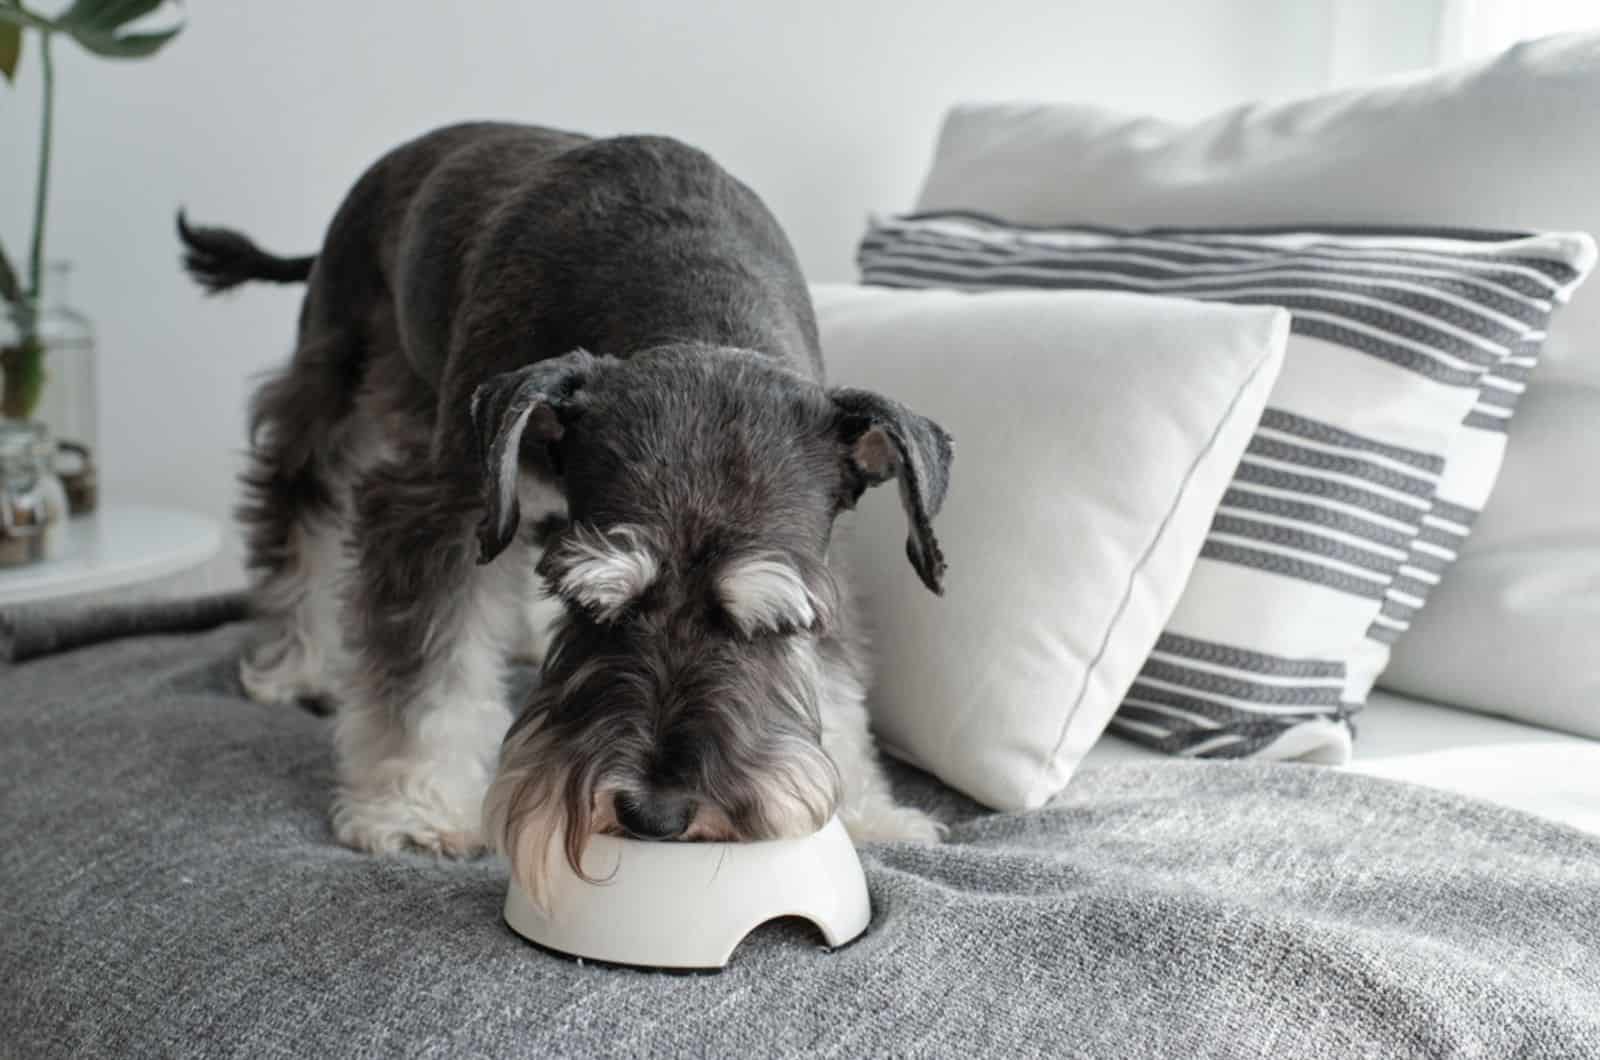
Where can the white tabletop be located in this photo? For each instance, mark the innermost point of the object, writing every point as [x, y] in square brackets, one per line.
[118, 546]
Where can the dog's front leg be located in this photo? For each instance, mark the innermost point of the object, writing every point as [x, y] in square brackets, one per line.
[429, 634]
[867, 806]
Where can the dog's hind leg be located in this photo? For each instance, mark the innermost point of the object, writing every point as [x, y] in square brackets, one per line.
[423, 710]
[294, 519]
[291, 659]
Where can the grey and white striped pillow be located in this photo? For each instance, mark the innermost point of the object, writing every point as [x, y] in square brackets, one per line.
[1381, 440]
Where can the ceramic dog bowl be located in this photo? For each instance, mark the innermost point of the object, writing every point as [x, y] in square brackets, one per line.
[688, 905]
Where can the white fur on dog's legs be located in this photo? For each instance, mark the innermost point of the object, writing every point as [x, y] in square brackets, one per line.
[414, 775]
[420, 789]
[866, 806]
[298, 657]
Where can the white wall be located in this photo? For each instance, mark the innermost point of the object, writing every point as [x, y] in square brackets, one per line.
[1373, 38]
[261, 115]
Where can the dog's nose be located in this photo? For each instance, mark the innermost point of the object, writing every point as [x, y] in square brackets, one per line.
[656, 816]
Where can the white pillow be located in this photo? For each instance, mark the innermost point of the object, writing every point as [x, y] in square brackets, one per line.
[1515, 628]
[1094, 435]
[1506, 144]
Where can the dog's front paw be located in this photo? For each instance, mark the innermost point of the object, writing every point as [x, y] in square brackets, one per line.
[389, 824]
[891, 823]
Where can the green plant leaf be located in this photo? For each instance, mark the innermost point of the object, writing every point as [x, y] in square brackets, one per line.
[12, 15]
[10, 49]
[127, 46]
[22, 378]
[105, 15]
[96, 25]
[10, 289]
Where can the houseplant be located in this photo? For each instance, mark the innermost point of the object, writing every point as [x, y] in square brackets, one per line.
[102, 28]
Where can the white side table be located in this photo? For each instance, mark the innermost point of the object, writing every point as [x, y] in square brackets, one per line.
[119, 547]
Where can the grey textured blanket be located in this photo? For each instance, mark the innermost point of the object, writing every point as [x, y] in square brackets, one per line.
[170, 888]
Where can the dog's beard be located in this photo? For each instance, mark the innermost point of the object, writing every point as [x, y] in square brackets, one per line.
[534, 806]
[548, 797]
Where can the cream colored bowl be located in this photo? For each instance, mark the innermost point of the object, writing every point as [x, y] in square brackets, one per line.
[688, 905]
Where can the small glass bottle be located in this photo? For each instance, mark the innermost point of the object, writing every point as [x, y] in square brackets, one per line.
[33, 503]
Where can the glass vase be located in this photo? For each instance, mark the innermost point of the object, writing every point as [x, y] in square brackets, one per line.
[48, 375]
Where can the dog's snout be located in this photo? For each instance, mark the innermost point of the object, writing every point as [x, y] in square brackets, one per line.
[655, 816]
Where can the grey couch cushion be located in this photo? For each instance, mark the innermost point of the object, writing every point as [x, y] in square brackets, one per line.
[171, 888]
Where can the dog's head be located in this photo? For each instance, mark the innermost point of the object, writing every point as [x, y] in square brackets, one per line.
[681, 696]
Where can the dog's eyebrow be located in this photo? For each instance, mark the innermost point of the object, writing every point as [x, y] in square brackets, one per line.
[766, 593]
[605, 570]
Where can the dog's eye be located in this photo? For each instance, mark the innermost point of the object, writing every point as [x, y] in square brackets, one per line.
[644, 605]
[636, 615]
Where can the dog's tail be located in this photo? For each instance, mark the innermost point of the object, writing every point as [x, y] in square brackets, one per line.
[220, 259]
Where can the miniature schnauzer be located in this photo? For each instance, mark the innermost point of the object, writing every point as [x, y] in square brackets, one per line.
[561, 399]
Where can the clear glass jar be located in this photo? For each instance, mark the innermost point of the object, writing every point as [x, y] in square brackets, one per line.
[33, 502]
[63, 391]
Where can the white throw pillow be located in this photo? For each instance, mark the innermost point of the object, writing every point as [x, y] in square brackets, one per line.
[1515, 628]
[1094, 436]
[1511, 144]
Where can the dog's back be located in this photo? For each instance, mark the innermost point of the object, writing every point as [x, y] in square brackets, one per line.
[501, 244]
[395, 258]
[522, 245]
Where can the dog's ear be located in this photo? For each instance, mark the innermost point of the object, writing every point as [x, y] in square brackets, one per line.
[884, 440]
[531, 402]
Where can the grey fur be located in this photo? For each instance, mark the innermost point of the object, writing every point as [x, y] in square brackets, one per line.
[622, 321]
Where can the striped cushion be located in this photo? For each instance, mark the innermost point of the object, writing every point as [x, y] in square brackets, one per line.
[1381, 441]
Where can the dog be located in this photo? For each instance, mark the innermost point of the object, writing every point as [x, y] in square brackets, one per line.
[561, 399]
